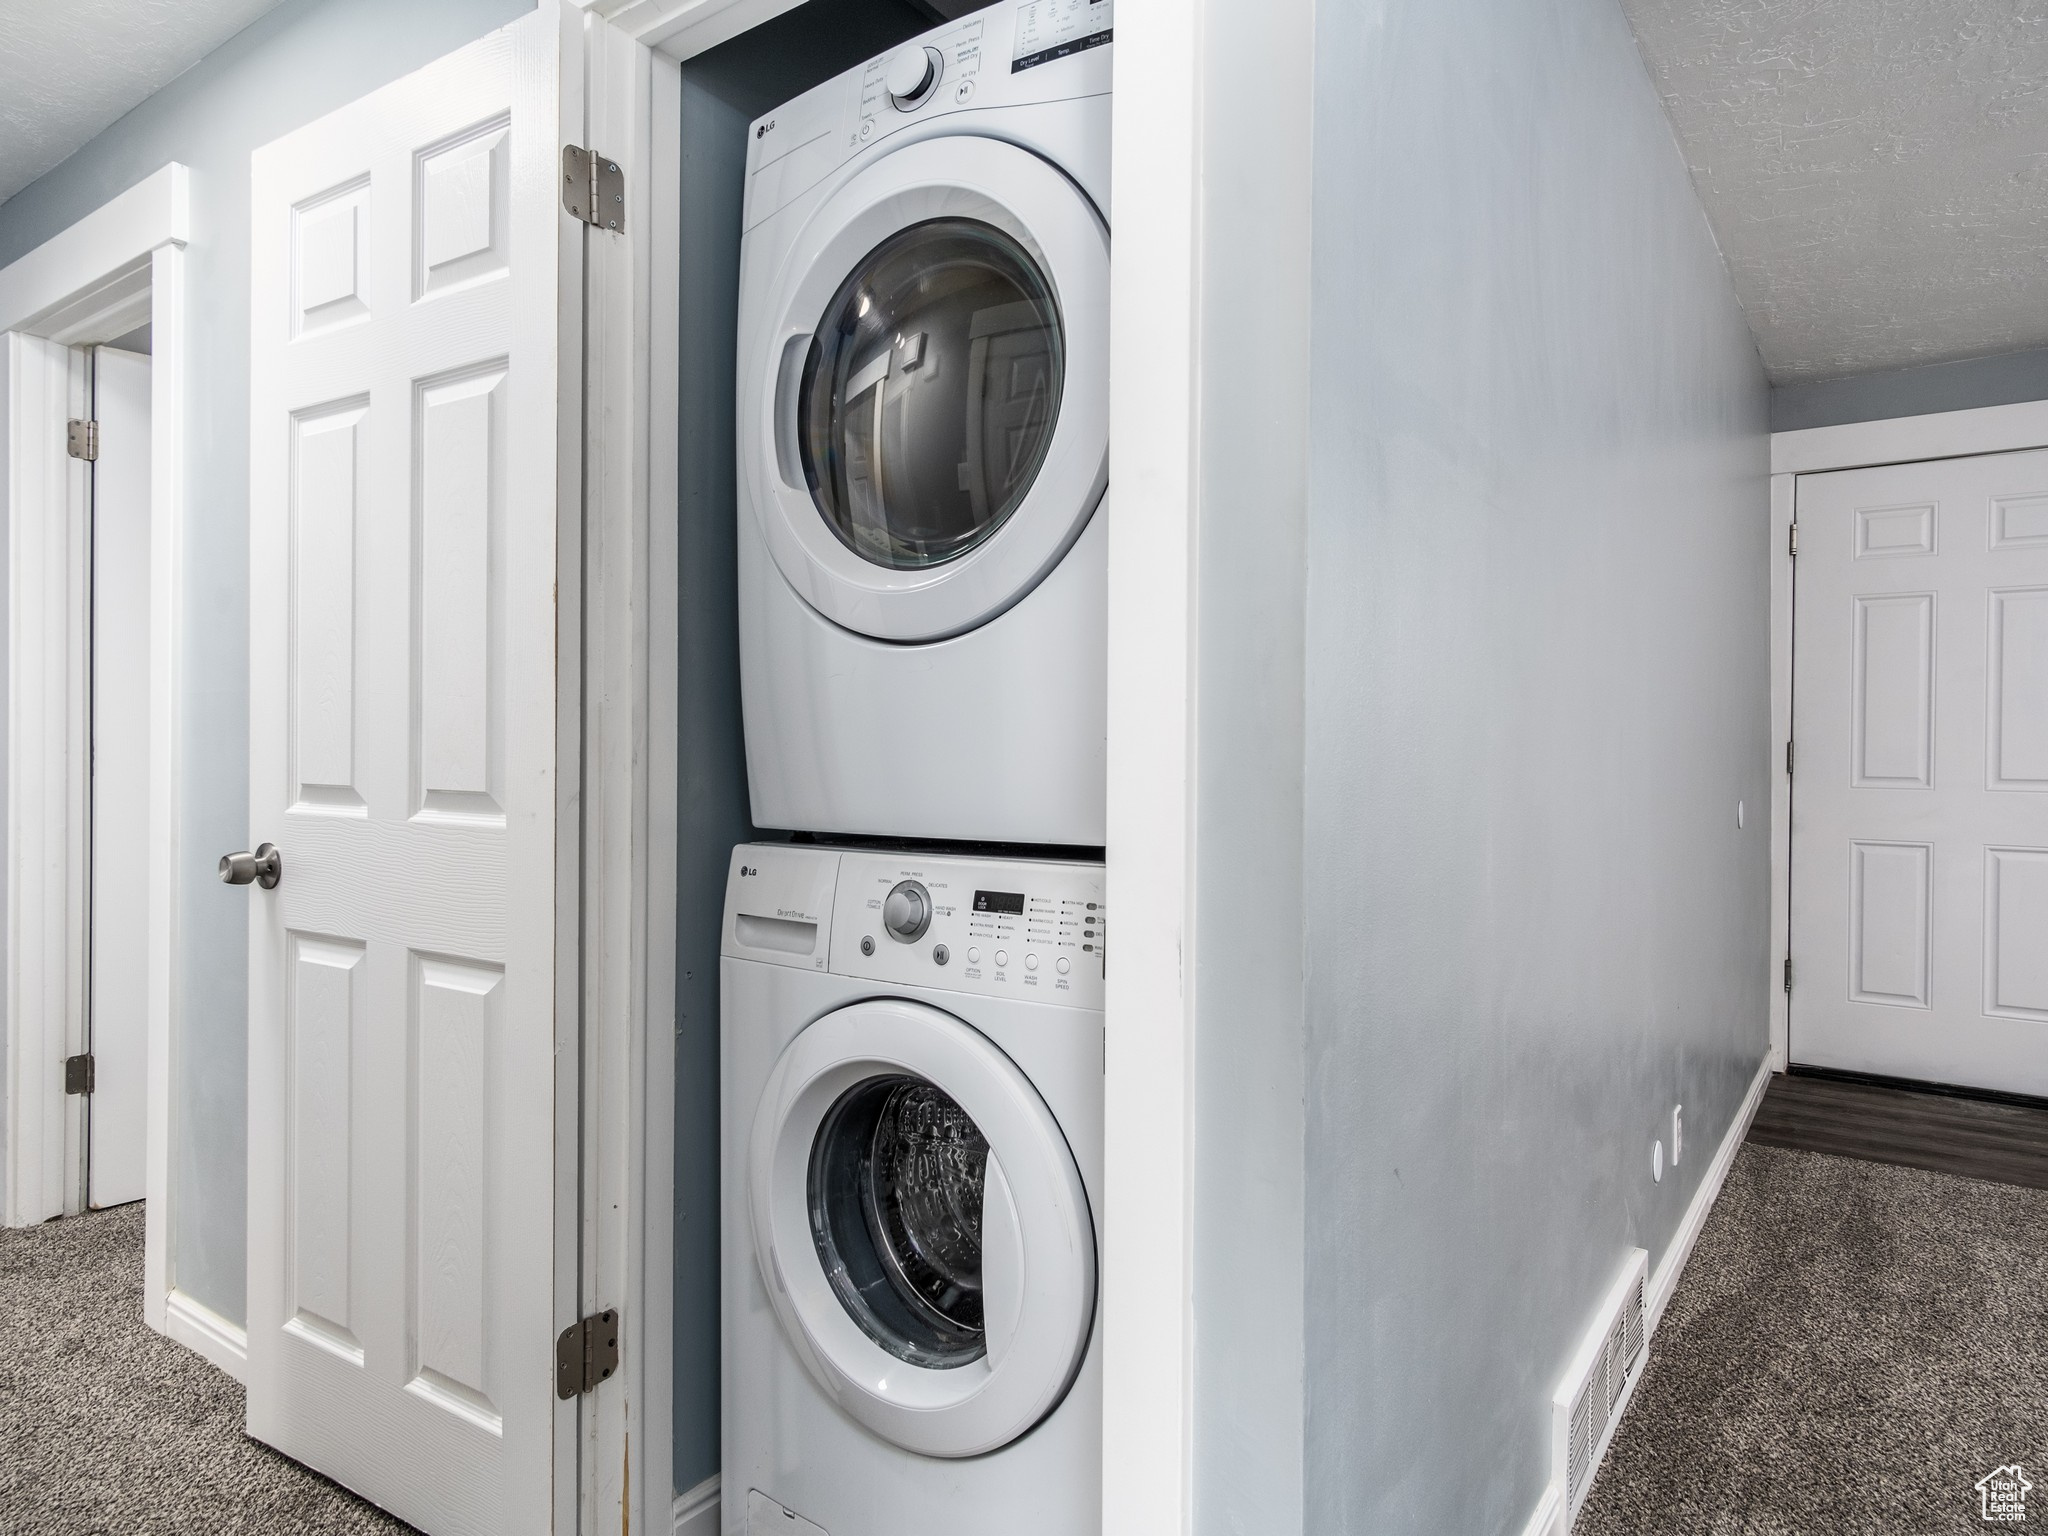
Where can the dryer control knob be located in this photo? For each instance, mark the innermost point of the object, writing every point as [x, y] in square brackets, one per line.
[913, 74]
[907, 911]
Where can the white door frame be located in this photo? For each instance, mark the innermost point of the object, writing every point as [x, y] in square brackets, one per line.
[1818, 450]
[1163, 119]
[630, 732]
[117, 267]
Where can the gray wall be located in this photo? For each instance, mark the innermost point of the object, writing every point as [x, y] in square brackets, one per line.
[1969, 384]
[298, 62]
[1536, 681]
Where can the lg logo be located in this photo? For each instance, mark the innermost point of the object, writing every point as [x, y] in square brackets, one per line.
[746, 871]
[762, 131]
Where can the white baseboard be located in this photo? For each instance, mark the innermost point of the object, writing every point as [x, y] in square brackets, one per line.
[697, 1510]
[1664, 1278]
[201, 1329]
[1548, 1518]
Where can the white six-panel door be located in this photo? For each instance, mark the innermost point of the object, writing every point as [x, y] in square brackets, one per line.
[1919, 901]
[410, 258]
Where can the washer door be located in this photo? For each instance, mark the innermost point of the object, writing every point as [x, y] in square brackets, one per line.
[905, 1179]
[924, 421]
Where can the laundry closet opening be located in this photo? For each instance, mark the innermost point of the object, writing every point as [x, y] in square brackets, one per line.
[724, 91]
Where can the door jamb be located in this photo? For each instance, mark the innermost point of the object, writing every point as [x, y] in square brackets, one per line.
[1820, 450]
[631, 730]
[92, 283]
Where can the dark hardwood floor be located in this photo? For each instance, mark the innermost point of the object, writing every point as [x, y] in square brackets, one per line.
[2006, 1143]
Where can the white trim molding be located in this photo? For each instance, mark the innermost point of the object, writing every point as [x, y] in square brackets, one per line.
[1547, 1519]
[205, 1332]
[682, 29]
[696, 1511]
[1678, 1252]
[1148, 1304]
[1780, 829]
[76, 277]
[168, 351]
[1908, 439]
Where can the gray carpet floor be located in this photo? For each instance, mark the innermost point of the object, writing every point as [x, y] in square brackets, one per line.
[110, 1429]
[1852, 1347]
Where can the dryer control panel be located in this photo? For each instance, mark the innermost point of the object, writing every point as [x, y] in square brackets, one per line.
[1026, 928]
[992, 58]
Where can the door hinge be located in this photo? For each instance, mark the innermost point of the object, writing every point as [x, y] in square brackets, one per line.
[1788, 758]
[593, 188]
[1788, 973]
[78, 1073]
[587, 1353]
[1794, 549]
[82, 440]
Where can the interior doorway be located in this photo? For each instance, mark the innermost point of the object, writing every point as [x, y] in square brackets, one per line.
[117, 984]
[1919, 770]
[92, 326]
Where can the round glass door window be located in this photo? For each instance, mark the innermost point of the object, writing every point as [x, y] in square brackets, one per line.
[930, 393]
[896, 1178]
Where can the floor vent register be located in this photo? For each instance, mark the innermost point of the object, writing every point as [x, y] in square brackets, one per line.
[1595, 1390]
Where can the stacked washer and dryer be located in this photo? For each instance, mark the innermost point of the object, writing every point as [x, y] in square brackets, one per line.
[912, 1046]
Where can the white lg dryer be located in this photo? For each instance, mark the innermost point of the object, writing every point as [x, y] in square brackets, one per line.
[911, 1098]
[924, 438]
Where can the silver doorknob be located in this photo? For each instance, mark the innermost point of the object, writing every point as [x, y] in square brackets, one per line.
[264, 867]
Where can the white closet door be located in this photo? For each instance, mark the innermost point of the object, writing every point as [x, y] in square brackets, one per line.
[414, 291]
[1920, 791]
[120, 780]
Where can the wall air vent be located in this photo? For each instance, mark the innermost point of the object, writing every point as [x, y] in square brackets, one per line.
[1596, 1387]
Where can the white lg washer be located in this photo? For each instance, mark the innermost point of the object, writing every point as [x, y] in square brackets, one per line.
[911, 1089]
[923, 438]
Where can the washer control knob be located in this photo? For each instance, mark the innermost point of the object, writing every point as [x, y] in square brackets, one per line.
[907, 911]
[913, 73]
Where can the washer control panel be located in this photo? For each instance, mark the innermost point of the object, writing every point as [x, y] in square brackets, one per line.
[1025, 928]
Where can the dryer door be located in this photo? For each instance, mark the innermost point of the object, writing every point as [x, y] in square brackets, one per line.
[924, 416]
[921, 1228]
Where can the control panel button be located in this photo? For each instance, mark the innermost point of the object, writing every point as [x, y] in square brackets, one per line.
[913, 74]
[1064, 965]
[907, 911]
[973, 955]
[867, 944]
[964, 91]
[1031, 962]
[941, 954]
[1002, 958]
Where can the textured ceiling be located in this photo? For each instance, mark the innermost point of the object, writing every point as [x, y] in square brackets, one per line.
[70, 67]
[1875, 170]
